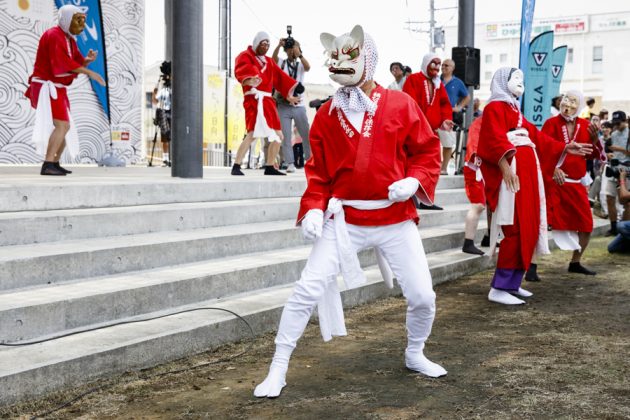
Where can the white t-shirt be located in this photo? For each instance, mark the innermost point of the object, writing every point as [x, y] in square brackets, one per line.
[296, 73]
[164, 98]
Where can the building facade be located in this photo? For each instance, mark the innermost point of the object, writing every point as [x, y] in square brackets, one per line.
[598, 53]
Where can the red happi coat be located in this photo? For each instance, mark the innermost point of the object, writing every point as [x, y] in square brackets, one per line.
[520, 240]
[396, 143]
[568, 207]
[474, 189]
[434, 103]
[249, 65]
[57, 55]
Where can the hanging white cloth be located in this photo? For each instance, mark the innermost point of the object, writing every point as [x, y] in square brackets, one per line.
[262, 129]
[504, 214]
[44, 120]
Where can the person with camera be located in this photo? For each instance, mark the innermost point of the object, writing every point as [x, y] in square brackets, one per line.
[259, 75]
[57, 63]
[621, 244]
[162, 98]
[619, 152]
[295, 65]
[568, 208]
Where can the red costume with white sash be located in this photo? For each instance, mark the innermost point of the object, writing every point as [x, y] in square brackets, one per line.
[473, 179]
[521, 237]
[433, 102]
[568, 207]
[248, 65]
[395, 143]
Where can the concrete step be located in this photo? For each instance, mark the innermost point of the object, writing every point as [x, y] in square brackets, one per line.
[52, 262]
[28, 227]
[97, 189]
[41, 311]
[31, 371]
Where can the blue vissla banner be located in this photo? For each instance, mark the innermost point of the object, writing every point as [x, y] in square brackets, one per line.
[537, 98]
[93, 38]
[557, 69]
[527, 18]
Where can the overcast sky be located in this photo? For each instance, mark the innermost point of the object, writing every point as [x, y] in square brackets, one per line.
[386, 24]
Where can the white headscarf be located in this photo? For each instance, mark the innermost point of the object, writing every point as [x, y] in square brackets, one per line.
[426, 60]
[580, 106]
[352, 98]
[65, 16]
[499, 87]
[260, 37]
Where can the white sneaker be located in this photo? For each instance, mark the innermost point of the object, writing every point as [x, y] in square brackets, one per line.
[503, 297]
[291, 168]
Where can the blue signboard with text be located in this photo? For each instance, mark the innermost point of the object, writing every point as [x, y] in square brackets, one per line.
[537, 98]
[92, 38]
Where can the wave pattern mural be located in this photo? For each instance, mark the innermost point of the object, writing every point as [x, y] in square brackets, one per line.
[124, 33]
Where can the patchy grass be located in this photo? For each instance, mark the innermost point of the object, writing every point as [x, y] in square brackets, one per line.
[563, 355]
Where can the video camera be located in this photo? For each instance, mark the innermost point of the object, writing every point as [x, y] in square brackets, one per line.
[317, 103]
[165, 70]
[289, 42]
[613, 167]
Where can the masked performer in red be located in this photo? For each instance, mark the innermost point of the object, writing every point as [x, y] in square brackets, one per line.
[513, 152]
[568, 208]
[372, 150]
[259, 75]
[57, 63]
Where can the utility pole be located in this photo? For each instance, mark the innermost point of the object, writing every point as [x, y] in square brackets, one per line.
[168, 23]
[466, 38]
[436, 34]
[224, 65]
[187, 82]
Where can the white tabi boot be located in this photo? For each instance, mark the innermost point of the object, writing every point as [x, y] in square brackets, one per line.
[419, 363]
[523, 293]
[503, 297]
[272, 386]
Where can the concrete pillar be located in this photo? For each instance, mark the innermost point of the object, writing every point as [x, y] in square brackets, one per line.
[187, 105]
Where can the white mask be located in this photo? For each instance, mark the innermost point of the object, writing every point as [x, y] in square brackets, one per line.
[515, 83]
[346, 61]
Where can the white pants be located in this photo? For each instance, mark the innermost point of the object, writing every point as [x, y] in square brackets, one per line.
[400, 244]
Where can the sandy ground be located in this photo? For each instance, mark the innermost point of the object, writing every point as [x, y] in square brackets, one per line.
[565, 354]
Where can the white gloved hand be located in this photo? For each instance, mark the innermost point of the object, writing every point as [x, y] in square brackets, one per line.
[403, 190]
[312, 224]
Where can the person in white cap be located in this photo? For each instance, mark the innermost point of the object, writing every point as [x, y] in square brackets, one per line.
[57, 63]
[259, 75]
[372, 150]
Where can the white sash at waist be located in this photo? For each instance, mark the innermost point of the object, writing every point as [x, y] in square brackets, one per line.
[262, 129]
[44, 120]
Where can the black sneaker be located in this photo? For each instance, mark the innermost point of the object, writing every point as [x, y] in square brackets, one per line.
[423, 206]
[236, 169]
[49, 168]
[270, 170]
[58, 166]
[576, 267]
[531, 274]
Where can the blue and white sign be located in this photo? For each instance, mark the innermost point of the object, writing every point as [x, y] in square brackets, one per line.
[93, 38]
[527, 18]
[537, 98]
[557, 69]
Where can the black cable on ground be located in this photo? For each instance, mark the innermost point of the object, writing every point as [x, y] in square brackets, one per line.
[171, 372]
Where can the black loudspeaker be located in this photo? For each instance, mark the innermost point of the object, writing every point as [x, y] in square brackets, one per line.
[467, 64]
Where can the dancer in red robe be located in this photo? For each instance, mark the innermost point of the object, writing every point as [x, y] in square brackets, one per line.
[475, 191]
[512, 149]
[260, 75]
[57, 63]
[568, 208]
[372, 150]
[428, 90]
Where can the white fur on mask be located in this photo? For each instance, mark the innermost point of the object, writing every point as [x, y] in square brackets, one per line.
[352, 59]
